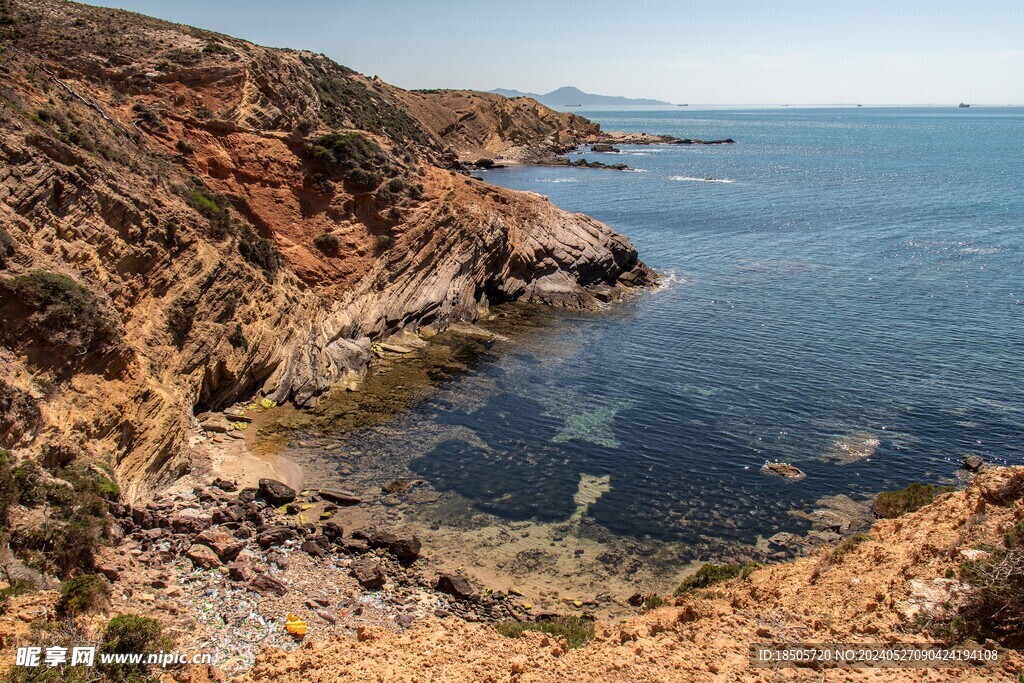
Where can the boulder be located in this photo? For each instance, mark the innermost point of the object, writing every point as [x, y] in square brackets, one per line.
[456, 585]
[368, 573]
[224, 484]
[403, 546]
[603, 147]
[333, 531]
[223, 543]
[340, 497]
[202, 556]
[313, 548]
[275, 492]
[215, 423]
[783, 469]
[275, 536]
[229, 515]
[267, 585]
[239, 571]
[973, 463]
[190, 521]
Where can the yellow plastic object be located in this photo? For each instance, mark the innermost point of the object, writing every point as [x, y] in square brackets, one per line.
[267, 403]
[294, 625]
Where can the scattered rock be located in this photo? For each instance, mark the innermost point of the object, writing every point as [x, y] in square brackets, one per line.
[313, 548]
[456, 585]
[202, 556]
[333, 531]
[603, 147]
[783, 469]
[215, 423]
[190, 521]
[973, 463]
[267, 585]
[222, 542]
[275, 492]
[785, 539]
[275, 536]
[406, 548]
[368, 573]
[340, 497]
[225, 485]
[239, 571]
[328, 615]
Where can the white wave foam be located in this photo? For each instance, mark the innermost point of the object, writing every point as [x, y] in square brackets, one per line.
[558, 180]
[693, 179]
[669, 279]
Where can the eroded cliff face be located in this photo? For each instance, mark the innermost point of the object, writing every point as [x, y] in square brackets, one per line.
[182, 182]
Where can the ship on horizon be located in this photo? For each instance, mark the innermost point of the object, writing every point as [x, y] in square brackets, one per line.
[964, 105]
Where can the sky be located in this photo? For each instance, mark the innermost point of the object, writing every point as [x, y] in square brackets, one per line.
[718, 52]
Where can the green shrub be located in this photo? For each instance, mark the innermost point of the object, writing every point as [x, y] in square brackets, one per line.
[13, 590]
[994, 607]
[361, 177]
[53, 309]
[347, 151]
[126, 634]
[83, 594]
[217, 49]
[652, 601]
[8, 247]
[146, 115]
[259, 252]
[183, 147]
[213, 207]
[576, 630]
[709, 575]
[849, 543]
[328, 243]
[890, 504]
[180, 318]
[237, 338]
[385, 242]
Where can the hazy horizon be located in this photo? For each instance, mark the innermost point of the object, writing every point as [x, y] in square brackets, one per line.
[730, 54]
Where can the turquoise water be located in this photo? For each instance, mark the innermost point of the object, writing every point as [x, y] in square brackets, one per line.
[851, 276]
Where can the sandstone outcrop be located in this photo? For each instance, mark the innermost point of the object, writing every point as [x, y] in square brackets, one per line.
[176, 179]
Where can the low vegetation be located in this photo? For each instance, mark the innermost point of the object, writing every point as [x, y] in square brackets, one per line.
[54, 310]
[345, 101]
[8, 247]
[83, 594]
[713, 573]
[995, 602]
[212, 206]
[128, 633]
[385, 242]
[237, 339]
[180, 317]
[75, 499]
[576, 630]
[849, 543]
[890, 504]
[328, 243]
[259, 253]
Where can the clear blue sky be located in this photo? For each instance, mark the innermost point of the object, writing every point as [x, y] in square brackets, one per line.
[722, 52]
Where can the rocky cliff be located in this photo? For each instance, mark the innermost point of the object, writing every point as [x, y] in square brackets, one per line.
[188, 219]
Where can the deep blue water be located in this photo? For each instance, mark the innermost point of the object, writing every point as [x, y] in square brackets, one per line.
[858, 277]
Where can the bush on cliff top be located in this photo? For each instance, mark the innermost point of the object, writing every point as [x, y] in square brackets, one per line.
[890, 504]
[994, 607]
[576, 630]
[130, 633]
[712, 573]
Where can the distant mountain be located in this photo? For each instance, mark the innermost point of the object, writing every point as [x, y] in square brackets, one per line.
[570, 95]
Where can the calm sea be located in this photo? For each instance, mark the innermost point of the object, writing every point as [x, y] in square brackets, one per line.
[842, 291]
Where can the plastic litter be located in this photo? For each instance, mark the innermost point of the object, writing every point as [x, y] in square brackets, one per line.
[294, 625]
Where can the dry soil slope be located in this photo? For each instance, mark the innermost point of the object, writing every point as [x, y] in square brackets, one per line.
[881, 591]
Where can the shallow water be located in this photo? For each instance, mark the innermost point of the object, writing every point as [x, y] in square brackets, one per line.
[842, 291]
